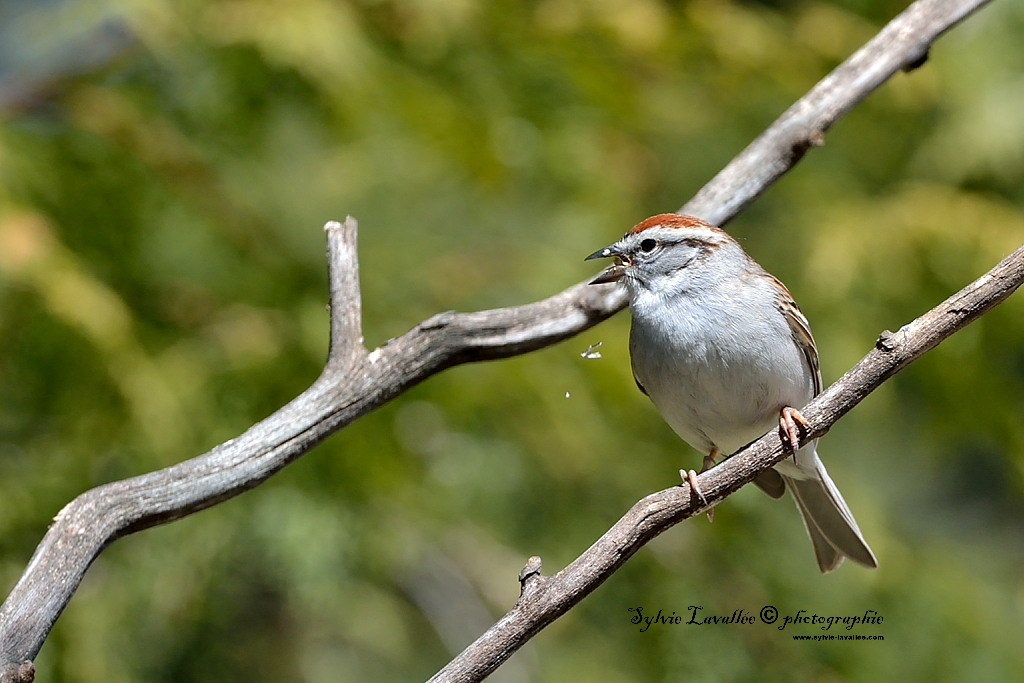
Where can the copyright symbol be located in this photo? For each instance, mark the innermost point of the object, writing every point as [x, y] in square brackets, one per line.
[769, 614]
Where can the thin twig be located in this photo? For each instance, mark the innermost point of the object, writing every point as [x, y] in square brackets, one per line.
[346, 300]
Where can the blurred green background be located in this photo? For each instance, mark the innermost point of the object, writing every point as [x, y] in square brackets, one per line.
[165, 171]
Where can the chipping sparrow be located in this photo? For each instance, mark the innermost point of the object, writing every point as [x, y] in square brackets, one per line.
[724, 353]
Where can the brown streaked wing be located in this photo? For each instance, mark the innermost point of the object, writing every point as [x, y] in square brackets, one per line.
[801, 330]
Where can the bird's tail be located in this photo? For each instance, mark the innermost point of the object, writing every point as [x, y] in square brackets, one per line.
[830, 524]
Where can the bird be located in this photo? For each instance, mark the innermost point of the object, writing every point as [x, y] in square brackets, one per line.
[723, 351]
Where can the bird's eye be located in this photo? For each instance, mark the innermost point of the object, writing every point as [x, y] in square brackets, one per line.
[648, 245]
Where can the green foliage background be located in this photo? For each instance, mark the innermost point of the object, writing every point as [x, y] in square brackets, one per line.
[163, 287]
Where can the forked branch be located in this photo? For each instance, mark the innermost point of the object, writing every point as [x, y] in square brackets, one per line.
[355, 382]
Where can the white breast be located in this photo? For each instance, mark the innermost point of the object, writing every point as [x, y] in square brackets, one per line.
[718, 370]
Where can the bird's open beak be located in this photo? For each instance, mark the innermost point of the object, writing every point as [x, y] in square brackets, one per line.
[612, 273]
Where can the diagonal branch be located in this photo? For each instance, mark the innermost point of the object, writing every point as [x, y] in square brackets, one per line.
[902, 45]
[355, 382]
[545, 598]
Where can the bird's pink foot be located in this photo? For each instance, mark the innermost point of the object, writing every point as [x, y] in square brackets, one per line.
[790, 424]
[690, 477]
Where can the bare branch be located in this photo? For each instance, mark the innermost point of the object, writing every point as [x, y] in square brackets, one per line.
[354, 383]
[346, 301]
[544, 599]
[902, 45]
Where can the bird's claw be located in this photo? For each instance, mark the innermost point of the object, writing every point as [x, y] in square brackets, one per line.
[690, 477]
[790, 424]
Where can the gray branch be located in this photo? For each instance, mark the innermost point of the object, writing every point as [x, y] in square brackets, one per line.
[354, 382]
[902, 45]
